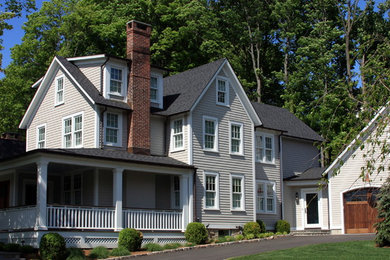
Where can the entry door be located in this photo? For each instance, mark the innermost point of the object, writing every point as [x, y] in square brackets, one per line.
[312, 206]
[4, 194]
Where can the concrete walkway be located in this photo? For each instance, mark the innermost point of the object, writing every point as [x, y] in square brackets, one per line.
[240, 249]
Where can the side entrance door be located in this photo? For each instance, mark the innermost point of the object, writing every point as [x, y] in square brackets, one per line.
[311, 208]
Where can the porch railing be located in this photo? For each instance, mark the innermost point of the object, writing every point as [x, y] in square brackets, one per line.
[80, 217]
[141, 219]
[17, 218]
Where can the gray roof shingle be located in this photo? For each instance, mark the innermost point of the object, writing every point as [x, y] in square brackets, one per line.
[182, 90]
[88, 87]
[281, 119]
[314, 173]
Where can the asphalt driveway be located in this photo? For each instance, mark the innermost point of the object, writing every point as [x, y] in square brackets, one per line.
[226, 251]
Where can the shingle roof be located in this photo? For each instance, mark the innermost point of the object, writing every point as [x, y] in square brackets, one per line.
[314, 173]
[182, 90]
[281, 119]
[88, 87]
[11, 148]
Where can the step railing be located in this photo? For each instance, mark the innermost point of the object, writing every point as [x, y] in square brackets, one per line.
[141, 219]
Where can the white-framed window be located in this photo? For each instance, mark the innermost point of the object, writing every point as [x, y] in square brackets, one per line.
[176, 192]
[210, 133]
[59, 90]
[237, 189]
[236, 137]
[73, 131]
[211, 183]
[265, 151]
[72, 189]
[115, 81]
[177, 134]
[112, 129]
[41, 136]
[156, 89]
[265, 197]
[222, 89]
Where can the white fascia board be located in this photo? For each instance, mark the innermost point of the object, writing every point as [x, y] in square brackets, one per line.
[348, 151]
[86, 58]
[37, 83]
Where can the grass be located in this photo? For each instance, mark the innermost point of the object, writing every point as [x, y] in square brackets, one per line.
[344, 250]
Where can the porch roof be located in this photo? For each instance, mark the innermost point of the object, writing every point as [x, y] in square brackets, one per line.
[314, 173]
[116, 155]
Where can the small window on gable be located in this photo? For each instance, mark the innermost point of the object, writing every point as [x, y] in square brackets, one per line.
[265, 148]
[41, 136]
[177, 135]
[112, 129]
[222, 92]
[59, 90]
[116, 81]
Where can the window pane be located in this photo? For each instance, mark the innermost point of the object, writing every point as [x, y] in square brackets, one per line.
[236, 131]
[153, 94]
[78, 138]
[153, 82]
[209, 142]
[236, 200]
[270, 190]
[60, 96]
[41, 134]
[235, 146]
[270, 204]
[112, 120]
[153, 88]
[210, 183]
[68, 125]
[116, 80]
[60, 84]
[260, 190]
[78, 123]
[77, 181]
[178, 140]
[236, 185]
[111, 135]
[268, 143]
[68, 140]
[221, 85]
[210, 199]
[209, 127]
[178, 126]
[221, 97]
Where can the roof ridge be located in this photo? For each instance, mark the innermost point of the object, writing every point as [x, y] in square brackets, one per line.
[195, 68]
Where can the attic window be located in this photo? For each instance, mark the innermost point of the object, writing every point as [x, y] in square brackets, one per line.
[59, 90]
[222, 90]
[115, 81]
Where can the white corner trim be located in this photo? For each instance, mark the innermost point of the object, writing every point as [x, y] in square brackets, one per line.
[281, 173]
[254, 173]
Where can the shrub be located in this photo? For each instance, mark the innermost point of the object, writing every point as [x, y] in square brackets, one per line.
[52, 246]
[12, 247]
[75, 254]
[250, 236]
[251, 228]
[26, 249]
[196, 233]
[172, 246]
[383, 222]
[262, 225]
[153, 247]
[130, 239]
[120, 251]
[99, 252]
[239, 237]
[282, 226]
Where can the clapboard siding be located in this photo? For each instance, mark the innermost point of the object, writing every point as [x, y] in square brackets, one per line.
[292, 208]
[51, 115]
[348, 178]
[298, 156]
[157, 131]
[271, 172]
[92, 72]
[222, 162]
[182, 154]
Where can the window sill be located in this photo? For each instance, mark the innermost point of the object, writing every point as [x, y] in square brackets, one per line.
[237, 210]
[211, 209]
[223, 105]
[116, 95]
[210, 151]
[59, 104]
[113, 144]
[177, 150]
[269, 163]
[236, 154]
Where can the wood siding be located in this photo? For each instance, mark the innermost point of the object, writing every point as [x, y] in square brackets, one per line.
[92, 72]
[157, 135]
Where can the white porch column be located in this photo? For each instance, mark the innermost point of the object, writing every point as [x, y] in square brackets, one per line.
[190, 198]
[184, 198]
[117, 196]
[41, 223]
[96, 187]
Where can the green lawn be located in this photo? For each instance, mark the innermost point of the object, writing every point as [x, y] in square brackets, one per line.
[345, 250]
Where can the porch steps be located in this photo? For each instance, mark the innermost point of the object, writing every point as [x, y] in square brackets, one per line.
[310, 232]
[10, 256]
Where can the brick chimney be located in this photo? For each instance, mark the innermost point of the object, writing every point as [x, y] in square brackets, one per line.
[138, 96]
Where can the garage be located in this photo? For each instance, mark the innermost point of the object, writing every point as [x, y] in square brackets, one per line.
[359, 210]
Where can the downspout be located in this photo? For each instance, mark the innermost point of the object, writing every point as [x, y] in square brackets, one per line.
[281, 174]
[166, 146]
[195, 216]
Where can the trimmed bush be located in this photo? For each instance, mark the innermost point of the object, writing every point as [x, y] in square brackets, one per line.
[196, 233]
[251, 228]
[282, 226]
[12, 247]
[99, 252]
[172, 246]
[383, 221]
[262, 225]
[52, 246]
[120, 251]
[75, 254]
[130, 239]
[153, 247]
[26, 249]
[239, 237]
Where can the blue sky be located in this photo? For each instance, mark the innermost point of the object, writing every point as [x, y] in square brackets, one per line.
[14, 36]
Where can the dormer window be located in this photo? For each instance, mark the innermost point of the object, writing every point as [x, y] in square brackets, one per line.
[156, 90]
[153, 89]
[222, 92]
[116, 81]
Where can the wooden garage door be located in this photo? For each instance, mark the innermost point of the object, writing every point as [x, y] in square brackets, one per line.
[359, 210]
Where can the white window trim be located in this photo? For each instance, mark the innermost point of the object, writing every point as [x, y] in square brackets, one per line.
[209, 118]
[264, 135]
[56, 91]
[216, 175]
[120, 129]
[107, 76]
[231, 123]
[237, 176]
[72, 133]
[226, 93]
[173, 148]
[159, 99]
[265, 192]
[37, 136]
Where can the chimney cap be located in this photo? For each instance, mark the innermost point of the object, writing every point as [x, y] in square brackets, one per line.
[138, 22]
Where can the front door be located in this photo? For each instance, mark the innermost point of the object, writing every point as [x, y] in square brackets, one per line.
[312, 206]
[4, 194]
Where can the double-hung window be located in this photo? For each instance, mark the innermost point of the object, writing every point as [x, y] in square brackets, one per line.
[237, 182]
[116, 81]
[177, 134]
[210, 134]
[236, 133]
[113, 125]
[266, 197]
[154, 89]
[41, 136]
[222, 92]
[211, 191]
[59, 90]
[264, 148]
[73, 131]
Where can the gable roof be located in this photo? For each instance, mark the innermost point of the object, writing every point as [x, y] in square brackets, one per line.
[81, 81]
[277, 118]
[182, 90]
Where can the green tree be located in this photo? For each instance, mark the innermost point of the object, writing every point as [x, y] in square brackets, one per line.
[383, 225]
